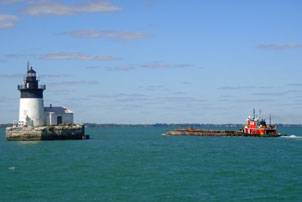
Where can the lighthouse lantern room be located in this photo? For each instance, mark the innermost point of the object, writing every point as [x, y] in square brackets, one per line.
[31, 101]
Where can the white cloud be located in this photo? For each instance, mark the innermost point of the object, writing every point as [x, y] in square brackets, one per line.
[76, 56]
[7, 21]
[164, 65]
[130, 67]
[75, 82]
[107, 34]
[275, 46]
[53, 8]
[23, 1]
[10, 76]
[10, 1]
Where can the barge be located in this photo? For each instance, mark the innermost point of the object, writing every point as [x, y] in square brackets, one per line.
[254, 127]
[203, 132]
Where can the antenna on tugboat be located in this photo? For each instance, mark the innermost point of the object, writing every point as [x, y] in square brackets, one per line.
[270, 119]
[254, 113]
[260, 113]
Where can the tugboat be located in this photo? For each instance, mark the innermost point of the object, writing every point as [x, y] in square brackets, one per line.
[256, 126]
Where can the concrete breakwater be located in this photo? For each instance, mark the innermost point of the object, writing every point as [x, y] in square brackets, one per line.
[61, 132]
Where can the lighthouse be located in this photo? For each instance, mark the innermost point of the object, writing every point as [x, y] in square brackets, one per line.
[37, 122]
[31, 100]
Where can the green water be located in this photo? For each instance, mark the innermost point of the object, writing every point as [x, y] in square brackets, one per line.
[140, 164]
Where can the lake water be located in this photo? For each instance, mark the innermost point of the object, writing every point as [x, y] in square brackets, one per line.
[141, 164]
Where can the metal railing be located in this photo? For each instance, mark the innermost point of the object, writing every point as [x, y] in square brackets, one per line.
[22, 87]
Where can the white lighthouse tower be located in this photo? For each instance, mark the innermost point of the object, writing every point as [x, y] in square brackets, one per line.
[31, 101]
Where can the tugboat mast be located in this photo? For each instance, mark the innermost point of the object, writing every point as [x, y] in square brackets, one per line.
[254, 114]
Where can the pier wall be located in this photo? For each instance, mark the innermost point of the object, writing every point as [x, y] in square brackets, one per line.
[64, 132]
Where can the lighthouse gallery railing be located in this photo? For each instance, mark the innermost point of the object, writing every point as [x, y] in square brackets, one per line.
[22, 87]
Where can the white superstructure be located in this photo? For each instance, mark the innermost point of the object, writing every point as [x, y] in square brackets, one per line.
[58, 116]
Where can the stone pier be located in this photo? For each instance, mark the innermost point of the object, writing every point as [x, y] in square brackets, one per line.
[61, 132]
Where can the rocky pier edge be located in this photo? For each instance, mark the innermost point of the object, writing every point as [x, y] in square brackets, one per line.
[61, 132]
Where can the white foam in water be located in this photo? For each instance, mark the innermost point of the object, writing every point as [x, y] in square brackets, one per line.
[163, 134]
[292, 137]
[29, 142]
[13, 168]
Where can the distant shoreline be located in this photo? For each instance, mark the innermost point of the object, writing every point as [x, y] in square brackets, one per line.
[178, 125]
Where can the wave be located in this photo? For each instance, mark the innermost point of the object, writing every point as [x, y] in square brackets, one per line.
[292, 137]
[163, 134]
[29, 142]
[13, 168]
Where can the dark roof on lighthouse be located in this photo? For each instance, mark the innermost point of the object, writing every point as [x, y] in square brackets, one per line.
[31, 88]
[31, 70]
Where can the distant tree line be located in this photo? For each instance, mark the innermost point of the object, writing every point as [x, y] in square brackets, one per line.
[4, 125]
[184, 125]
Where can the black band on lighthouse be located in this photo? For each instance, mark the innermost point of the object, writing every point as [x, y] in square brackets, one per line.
[31, 93]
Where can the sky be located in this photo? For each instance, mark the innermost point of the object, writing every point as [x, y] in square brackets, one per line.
[155, 61]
